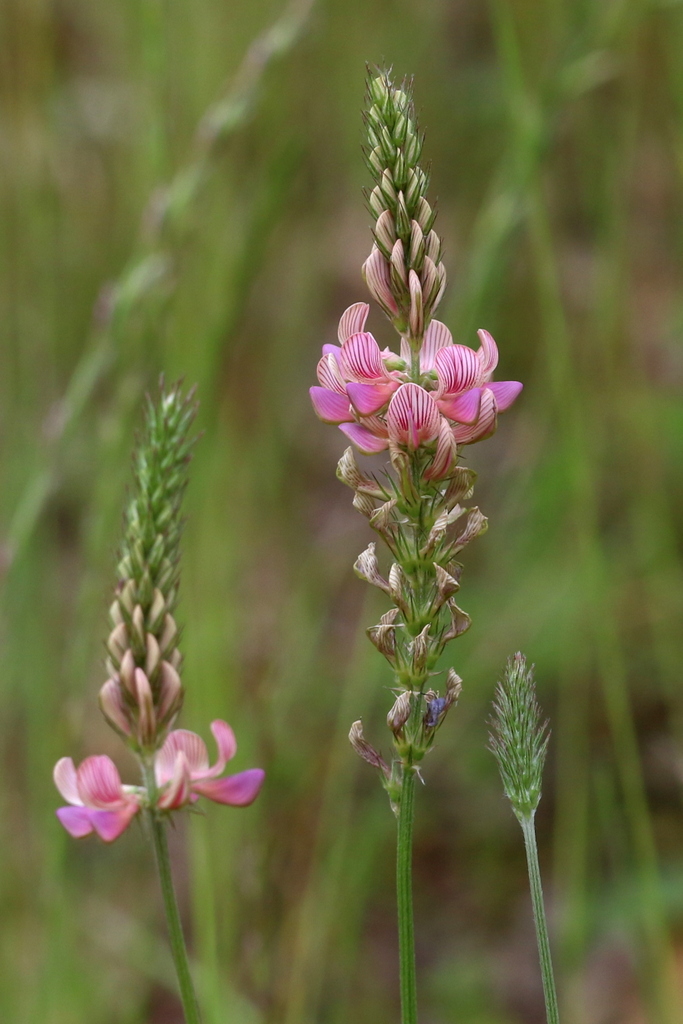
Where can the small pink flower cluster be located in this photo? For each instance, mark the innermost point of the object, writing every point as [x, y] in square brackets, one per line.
[368, 393]
[100, 803]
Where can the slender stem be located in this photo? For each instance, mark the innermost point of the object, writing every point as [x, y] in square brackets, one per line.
[551, 1008]
[404, 895]
[175, 928]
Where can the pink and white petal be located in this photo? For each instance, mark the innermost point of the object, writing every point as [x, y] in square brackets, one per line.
[226, 743]
[177, 793]
[185, 742]
[412, 416]
[237, 790]
[505, 392]
[329, 374]
[364, 440]
[352, 321]
[65, 778]
[437, 336]
[110, 824]
[76, 820]
[446, 451]
[99, 783]
[329, 406]
[463, 408]
[361, 360]
[485, 425]
[487, 354]
[458, 370]
[368, 399]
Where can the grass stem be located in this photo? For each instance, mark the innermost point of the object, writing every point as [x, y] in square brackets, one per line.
[551, 1008]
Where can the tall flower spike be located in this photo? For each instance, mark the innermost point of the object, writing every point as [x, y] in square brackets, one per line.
[144, 694]
[404, 272]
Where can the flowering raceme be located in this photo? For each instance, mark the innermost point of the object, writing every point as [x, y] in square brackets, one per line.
[372, 395]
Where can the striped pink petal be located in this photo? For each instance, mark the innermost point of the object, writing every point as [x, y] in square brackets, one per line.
[331, 350]
[487, 354]
[190, 745]
[364, 440]
[437, 336]
[505, 392]
[462, 408]
[446, 451]
[99, 783]
[177, 793]
[352, 321]
[412, 416]
[329, 406]
[110, 824]
[485, 425]
[329, 374]
[66, 782]
[369, 398]
[76, 820]
[361, 360]
[458, 370]
[237, 790]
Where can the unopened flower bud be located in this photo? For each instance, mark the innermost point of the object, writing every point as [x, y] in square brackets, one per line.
[385, 233]
[115, 613]
[402, 216]
[413, 190]
[375, 160]
[430, 283]
[376, 201]
[387, 189]
[168, 635]
[127, 672]
[416, 317]
[128, 595]
[376, 274]
[424, 214]
[400, 713]
[114, 707]
[399, 273]
[156, 611]
[170, 691]
[147, 724]
[117, 642]
[153, 656]
[139, 625]
[364, 750]
[417, 246]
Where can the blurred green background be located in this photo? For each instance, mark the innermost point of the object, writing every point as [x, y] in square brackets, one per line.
[177, 197]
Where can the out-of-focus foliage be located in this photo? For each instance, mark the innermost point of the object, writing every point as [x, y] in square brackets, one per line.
[554, 127]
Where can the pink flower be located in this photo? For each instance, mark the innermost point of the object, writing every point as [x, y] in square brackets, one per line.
[99, 802]
[183, 773]
[412, 417]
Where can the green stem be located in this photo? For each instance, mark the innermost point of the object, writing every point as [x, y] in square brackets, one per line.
[551, 1009]
[404, 897]
[175, 928]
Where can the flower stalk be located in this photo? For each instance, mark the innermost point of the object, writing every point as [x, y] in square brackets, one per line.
[143, 695]
[421, 405]
[519, 742]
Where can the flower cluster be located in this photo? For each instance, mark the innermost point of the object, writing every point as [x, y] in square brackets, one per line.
[99, 802]
[422, 404]
[374, 398]
[143, 695]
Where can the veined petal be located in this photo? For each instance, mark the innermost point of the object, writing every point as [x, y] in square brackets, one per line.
[364, 440]
[462, 408]
[487, 354]
[329, 374]
[412, 416]
[99, 783]
[190, 745]
[369, 398]
[237, 790]
[458, 370]
[64, 775]
[352, 321]
[446, 451]
[361, 360]
[329, 406]
[437, 336]
[76, 820]
[110, 824]
[177, 793]
[505, 392]
[485, 425]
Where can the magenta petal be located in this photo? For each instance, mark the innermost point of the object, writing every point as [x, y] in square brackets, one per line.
[352, 320]
[331, 350]
[76, 820]
[458, 369]
[487, 354]
[463, 408]
[365, 441]
[369, 398]
[505, 392]
[329, 406]
[225, 741]
[110, 824]
[412, 416]
[361, 360]
[437, 336]
[237, 790]
[99, 783]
